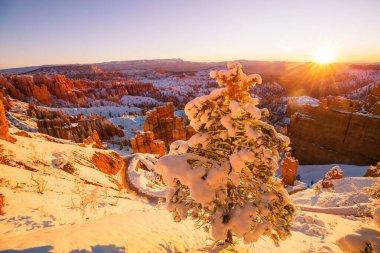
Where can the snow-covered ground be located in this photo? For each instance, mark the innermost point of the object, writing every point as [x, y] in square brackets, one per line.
[313, 173]
[162, 80]
[131, 124]
[138, 101]
[125, 221]
[107, 111]
[17, 116]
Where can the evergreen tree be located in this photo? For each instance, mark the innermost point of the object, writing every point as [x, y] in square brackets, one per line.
[224, 176]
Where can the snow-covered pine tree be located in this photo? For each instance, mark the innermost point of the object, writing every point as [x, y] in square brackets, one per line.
[223, 176]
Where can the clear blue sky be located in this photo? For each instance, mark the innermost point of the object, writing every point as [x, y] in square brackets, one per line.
[35, 32]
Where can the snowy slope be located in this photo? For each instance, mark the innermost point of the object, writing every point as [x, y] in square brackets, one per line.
[127, 222]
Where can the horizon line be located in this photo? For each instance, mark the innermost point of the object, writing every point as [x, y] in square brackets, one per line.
[184, 60]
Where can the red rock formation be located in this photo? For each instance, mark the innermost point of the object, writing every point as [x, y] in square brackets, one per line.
[95, 141]
[144, 142]
[289, 167]
[165, 125]
[139, 89]
[323, 135]
[76, 128]
[161, 128]
[5, 85]
[48, 89]
[42, 94]
[373, 171]
[340, 103]
[22, 133]
[110, 163]
[333, 174]
[2, 204]
[4, 130]
[5, 99]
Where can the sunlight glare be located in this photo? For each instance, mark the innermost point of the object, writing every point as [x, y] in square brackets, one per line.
[324, 55]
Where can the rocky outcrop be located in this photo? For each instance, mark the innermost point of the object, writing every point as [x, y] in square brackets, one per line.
[95, 141]
[5, 85]
[166, 126]
[289, 167]
[5, 99]
[144, 142]
[109, 163]
[333, 174]
[59, 90]
[139, 89]
[4, 129]
[23, 134]
[42, 94]
[2, 204]
[76, 128]
[373, 100]
[333, 133]
[340, 103]
[42, 87]
[161, 128]
[373, 171]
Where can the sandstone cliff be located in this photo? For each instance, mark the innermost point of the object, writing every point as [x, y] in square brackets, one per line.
[333, 133]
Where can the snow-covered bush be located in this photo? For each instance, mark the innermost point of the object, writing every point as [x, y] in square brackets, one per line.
[223, 176]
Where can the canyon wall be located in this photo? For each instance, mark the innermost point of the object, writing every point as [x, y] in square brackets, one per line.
[76, 128]
[61, 91]
[333, 132]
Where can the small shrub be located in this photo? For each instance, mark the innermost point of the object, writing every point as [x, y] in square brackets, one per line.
[39, 183]
[82, 198]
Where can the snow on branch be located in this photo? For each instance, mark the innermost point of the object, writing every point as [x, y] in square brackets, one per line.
[223, 177]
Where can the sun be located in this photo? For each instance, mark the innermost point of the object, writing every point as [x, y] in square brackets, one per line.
[324, 55]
